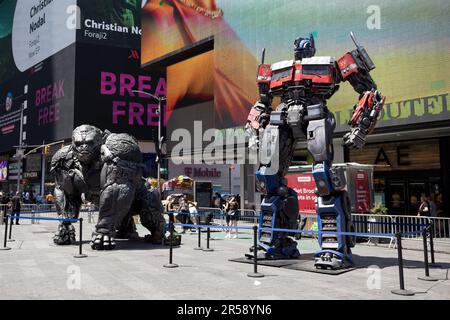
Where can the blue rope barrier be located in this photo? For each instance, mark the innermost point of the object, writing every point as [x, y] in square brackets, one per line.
[43, 218]
[38, 212]
[299, 231]
[196, 226]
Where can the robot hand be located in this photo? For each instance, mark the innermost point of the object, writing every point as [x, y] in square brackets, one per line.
[257, 120]
[364, 118]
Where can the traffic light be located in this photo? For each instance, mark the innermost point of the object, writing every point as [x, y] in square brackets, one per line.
[46, 149]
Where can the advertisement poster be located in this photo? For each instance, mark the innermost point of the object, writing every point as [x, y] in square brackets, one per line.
[40, 29]
[304, 185]
[110, 22]
[408, 40]
[111, 83]
[3, 170]
[37, 53]
[362, 192]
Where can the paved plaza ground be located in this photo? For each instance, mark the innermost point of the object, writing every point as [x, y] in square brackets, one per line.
[37, 269]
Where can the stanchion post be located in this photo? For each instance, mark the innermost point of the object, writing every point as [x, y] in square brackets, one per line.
[208, 235]
[402, 290]
[6, 235]
[433, 263]
[80, 253]
[171, 264]
[425, 257]
[10, 229]
[255, 273]
[199, 245]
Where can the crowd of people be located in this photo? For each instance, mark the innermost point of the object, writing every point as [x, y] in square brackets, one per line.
[13, 202]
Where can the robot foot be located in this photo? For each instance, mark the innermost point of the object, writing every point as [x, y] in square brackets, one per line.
[331, 260]
[102, 242]
[65, 235]
[265, 252]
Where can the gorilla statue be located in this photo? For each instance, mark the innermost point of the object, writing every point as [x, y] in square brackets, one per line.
[107, 168]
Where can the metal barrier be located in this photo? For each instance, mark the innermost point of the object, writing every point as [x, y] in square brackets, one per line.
[440, 226]
[424, 230]
[14, 215]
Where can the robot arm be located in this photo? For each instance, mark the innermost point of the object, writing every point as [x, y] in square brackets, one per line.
[259, 115]
[257, 120]
[355, 67]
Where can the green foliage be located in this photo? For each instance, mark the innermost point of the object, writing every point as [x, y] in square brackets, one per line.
[379, 208]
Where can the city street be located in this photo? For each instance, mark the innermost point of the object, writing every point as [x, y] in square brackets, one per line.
[37, 269]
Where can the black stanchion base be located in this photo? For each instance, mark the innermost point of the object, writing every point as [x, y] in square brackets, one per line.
[171, 265]
[208, 249]
[427, 278]
[198, 248]
[5, 248]
[255, 275]
[80, 256]
[402, 292]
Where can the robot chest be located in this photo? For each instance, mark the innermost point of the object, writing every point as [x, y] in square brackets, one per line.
[314, 75]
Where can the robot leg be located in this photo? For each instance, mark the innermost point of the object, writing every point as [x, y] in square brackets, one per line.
[279, 209]
[333, 212]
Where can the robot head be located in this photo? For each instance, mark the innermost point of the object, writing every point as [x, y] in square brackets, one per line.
[304, 47]
[86, 143]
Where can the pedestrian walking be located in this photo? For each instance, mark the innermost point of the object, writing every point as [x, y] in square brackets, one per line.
[16, 207]
[232, 215]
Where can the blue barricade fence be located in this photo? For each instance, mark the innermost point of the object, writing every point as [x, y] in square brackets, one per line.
[22, 217]
[361, 234]
[42, 218]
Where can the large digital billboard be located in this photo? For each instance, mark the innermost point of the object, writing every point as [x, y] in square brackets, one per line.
[38, 66]
[46, 94]
[111, 91]
[110, 22]
[409, 41]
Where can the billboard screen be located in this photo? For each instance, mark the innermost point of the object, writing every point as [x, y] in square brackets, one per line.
[46, 92]
[409, 41]
[37, 50]
[110, 91]
[3, 170]
[112, 23]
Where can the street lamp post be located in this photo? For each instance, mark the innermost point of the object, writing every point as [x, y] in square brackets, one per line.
[158, 144]
[19, 153]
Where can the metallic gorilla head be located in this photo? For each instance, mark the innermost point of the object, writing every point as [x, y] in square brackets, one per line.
[304, 47]
[86, 143]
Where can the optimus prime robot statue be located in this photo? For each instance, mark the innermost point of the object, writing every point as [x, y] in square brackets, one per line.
[107, 168]
[304, 85]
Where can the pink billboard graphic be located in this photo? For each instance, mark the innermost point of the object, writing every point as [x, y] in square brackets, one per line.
[304, 185]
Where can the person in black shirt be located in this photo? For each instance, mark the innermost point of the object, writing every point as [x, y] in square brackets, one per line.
[15, 207]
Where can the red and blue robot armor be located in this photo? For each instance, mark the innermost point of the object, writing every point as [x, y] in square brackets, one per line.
[303, 86]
